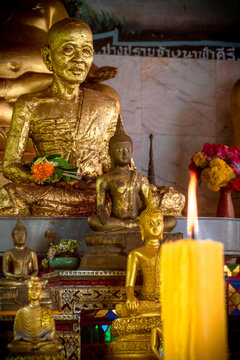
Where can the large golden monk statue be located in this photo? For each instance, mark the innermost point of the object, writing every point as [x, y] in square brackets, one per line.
[23, 31]
[34, 326]
[65, 118]
[140, 316]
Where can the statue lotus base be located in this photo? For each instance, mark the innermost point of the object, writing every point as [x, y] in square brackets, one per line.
[133, 338]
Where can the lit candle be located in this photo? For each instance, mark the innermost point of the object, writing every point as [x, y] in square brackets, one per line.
[193, 300]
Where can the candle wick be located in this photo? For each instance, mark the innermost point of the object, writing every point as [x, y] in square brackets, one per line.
[193, 233]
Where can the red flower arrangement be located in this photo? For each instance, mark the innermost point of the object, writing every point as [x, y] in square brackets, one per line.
[218, 166]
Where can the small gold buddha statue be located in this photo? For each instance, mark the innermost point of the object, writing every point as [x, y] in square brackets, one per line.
[34, 326]
[127, 189]
[147, 260]
[66, 118]
[139, 324]
[20, 262]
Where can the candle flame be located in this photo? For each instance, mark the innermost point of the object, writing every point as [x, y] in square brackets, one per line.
[192, 213]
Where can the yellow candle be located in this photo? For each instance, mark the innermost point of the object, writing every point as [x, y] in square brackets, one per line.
[193, 301]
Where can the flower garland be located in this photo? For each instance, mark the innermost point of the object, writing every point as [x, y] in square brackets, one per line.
[218, 166]
[50, 169]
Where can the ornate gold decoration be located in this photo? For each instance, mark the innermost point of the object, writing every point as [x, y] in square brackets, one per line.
[140, 347]
[34, 327]
[86, 298]
[132, 325]
[72, 344]
[168, 200]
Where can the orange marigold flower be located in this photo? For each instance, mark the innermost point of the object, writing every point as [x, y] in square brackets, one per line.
[42, 171]
[200, 159]
[217, 175]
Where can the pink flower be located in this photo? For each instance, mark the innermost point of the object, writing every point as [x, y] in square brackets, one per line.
[214, 150]
[222, 151]
[209, 150]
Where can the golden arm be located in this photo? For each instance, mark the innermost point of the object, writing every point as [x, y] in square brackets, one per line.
[16, 144]
[6, 265]
[34, 264]
[145, 186]
[132, 269]
[101, 189]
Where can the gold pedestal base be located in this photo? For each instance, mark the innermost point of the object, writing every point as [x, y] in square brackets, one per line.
[33, 355]
[104, 252]
[136, 347]
[133, 339]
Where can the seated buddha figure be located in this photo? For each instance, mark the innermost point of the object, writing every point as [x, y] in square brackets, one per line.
[67, 119]
[139, 324]
[127, 189]
[34, 326]
[147, 260]
[20, 262]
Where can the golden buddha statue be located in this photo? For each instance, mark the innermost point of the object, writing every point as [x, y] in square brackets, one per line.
[19, 263]
[127, 189]
[34, 326]
[65, 118]
[139, 324]
[147, 260]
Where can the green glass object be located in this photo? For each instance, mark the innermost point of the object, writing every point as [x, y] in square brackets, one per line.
[64, 263]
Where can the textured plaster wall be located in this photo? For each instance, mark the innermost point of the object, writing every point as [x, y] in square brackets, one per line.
[183, 103]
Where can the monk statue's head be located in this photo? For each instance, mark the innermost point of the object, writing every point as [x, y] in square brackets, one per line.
[34, 286]
[151, 222]
[120, 146]
[69, 52]
[19, 233]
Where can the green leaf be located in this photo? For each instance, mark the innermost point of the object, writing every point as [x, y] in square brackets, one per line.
[66, 178]
[63, 163]
[59, 173]
[53, 156]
